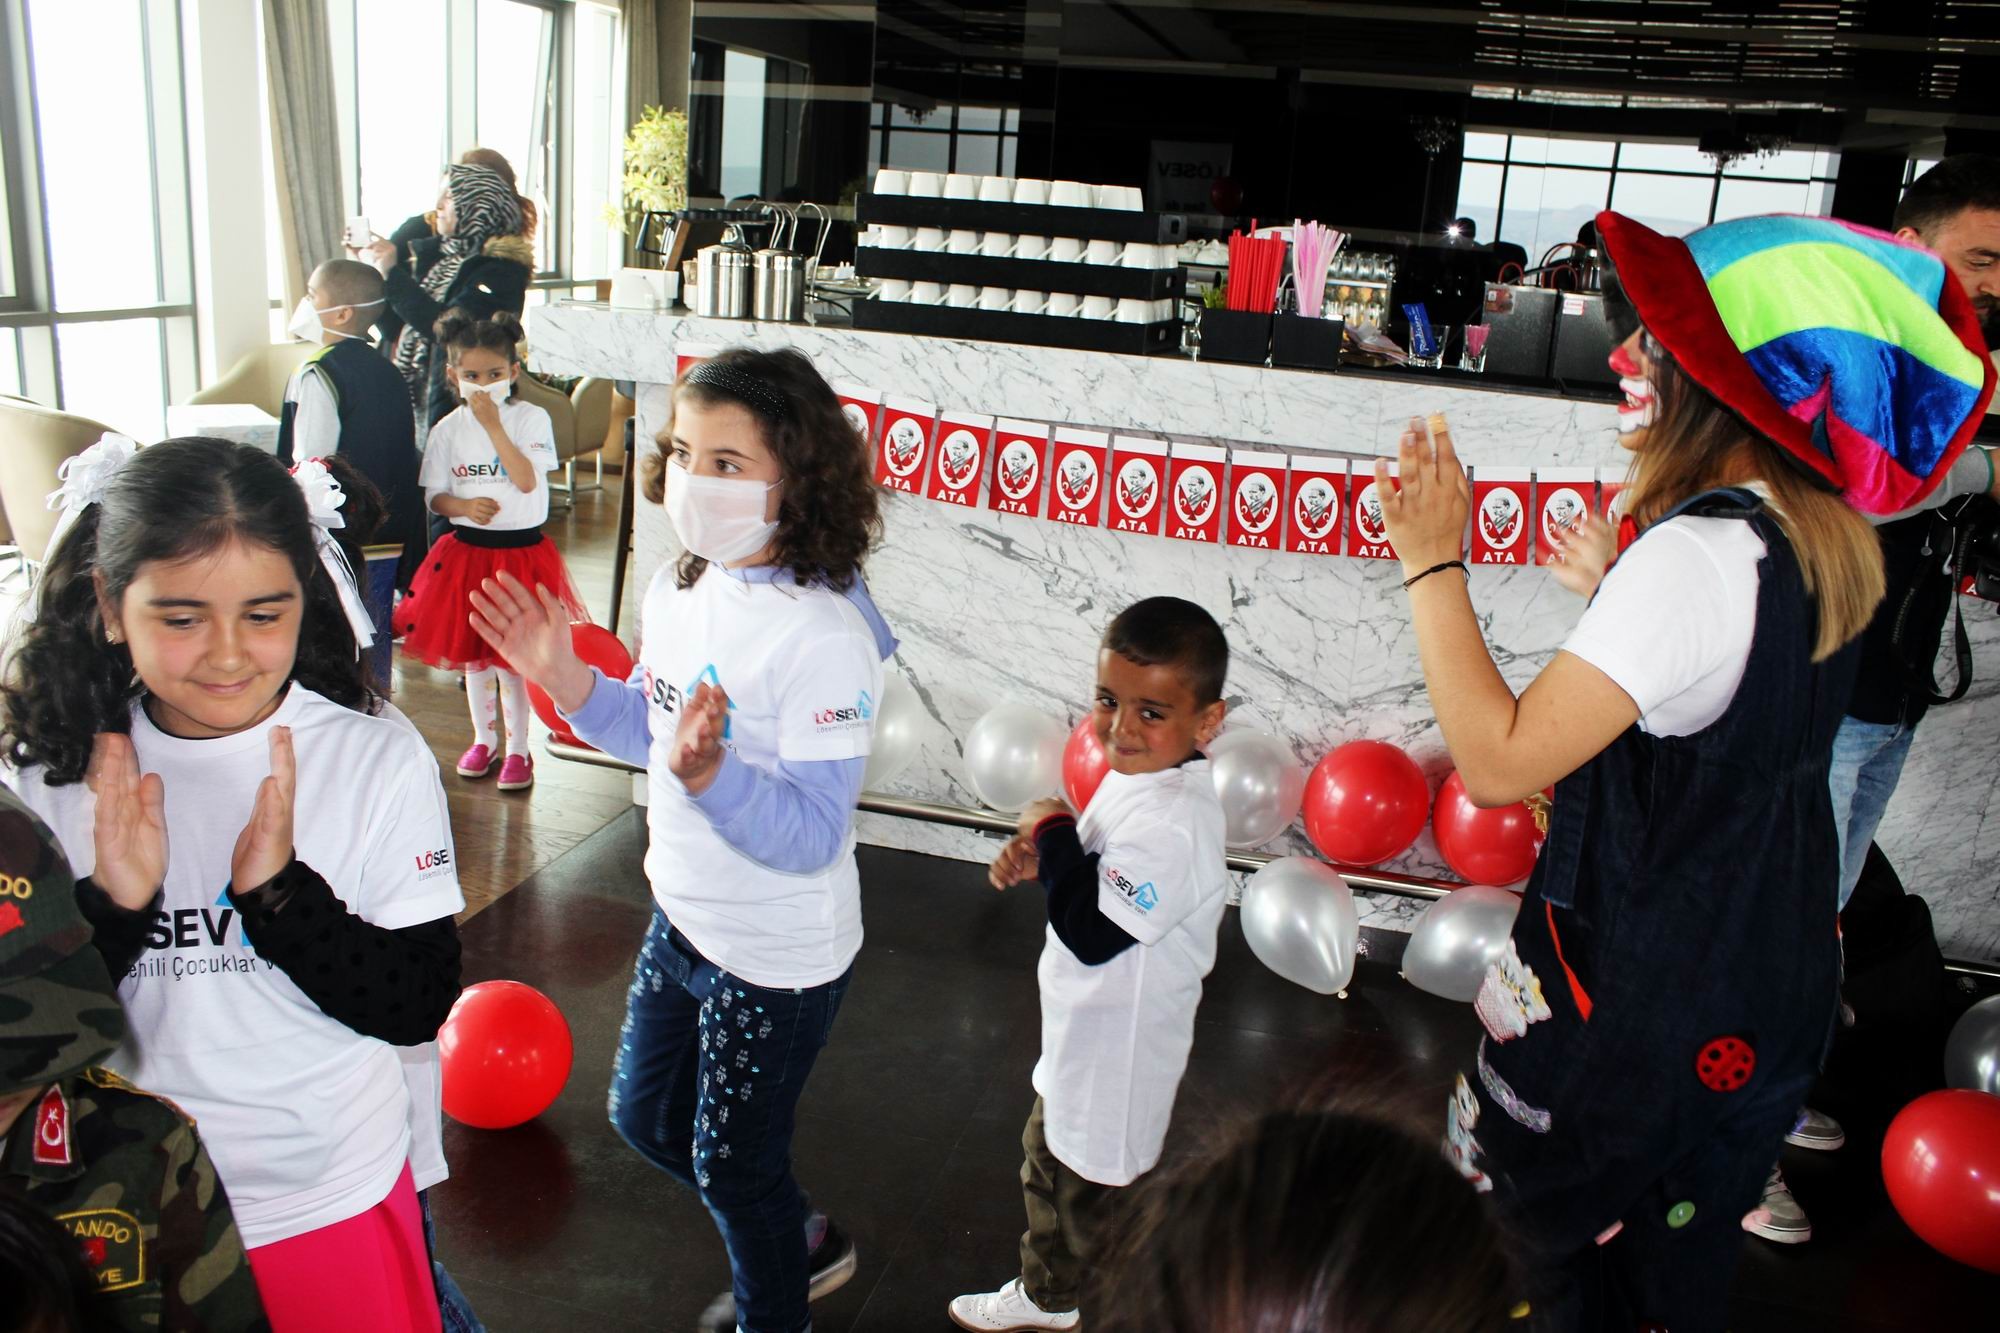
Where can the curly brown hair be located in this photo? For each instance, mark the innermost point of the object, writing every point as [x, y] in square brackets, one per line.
[829, 513]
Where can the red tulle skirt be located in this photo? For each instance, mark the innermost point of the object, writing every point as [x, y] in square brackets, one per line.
[435, 618]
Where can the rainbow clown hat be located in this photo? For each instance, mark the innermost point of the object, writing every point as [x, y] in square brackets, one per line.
[1858, 354]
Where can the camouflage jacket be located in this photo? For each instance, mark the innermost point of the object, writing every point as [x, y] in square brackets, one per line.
[125, 1172]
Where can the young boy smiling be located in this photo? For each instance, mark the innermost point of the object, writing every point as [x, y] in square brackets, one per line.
[1136, 888]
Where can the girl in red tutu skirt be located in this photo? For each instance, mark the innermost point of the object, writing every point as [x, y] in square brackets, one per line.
[486, 469]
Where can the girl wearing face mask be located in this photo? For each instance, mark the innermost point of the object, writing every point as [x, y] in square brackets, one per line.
[752, 707]
[486, 469]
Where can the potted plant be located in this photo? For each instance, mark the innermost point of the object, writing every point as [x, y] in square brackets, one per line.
[656, 151]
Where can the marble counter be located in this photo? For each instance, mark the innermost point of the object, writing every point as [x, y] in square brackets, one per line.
[992, 606]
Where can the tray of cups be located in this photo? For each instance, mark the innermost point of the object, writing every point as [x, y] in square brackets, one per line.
[1135, 270]
[1096, 324]
[1048, 209]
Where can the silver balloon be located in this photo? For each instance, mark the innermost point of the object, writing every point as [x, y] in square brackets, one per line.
[1457, 938]
[1972, 1055]
[1013, 755]
[1259, 782]
[1299, 918]
[899, 727]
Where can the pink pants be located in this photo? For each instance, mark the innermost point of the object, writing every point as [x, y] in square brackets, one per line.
[371, 1271]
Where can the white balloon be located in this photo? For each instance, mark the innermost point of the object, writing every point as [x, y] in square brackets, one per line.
[1458, 937]
[1259, 782]
[899, 727]
[1013, 756]
[1299, 918]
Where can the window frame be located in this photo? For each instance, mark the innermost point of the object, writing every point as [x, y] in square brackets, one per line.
[1007, 136]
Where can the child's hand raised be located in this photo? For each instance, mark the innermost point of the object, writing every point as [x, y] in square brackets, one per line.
[531, 630]
[130, 825]
[1584, 553]
[1017, 861]
[1032, 817]
[264, 847]
[484, 410]
[697, 752]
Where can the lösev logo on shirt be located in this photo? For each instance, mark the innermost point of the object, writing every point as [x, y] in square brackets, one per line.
[857, 714]
[476, 471]
[668, 698]
[198, 928]
[430, 865]
[1140, 896]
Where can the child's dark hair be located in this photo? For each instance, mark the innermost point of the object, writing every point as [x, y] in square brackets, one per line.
[362, 508]
[173, 501]
[829, 514]
[1168, 631]
[1309, 1222]
[46, 1289]
[459, 332]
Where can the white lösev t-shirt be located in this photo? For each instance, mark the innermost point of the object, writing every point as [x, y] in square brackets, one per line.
[802, 672]
[1115, 1038]
[307, 1120]
[459, 459]
[1672, 622]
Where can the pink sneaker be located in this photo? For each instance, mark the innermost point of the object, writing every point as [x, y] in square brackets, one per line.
[517, 773]
[476, 762]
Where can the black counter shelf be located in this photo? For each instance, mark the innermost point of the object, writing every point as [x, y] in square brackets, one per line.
[1086, 224]
[1007, 326]
[1034, 275]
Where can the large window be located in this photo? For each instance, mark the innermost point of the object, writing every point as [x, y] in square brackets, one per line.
[975, 140]
[96, 263]
[1539, 192]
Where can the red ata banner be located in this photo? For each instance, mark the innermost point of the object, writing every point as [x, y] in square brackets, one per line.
[690, 354]
[907, 427]
[1138, 484]
[1194, 493]
[1076, 477]
[1314, 504]
[1255, 514]
[1500, 524]
[1564, 497]
[964, 441]
[861, 406]
[1367, 537]
[1019, 450]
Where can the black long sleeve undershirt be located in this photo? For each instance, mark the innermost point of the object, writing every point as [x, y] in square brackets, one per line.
[1069, 876]
[394, 985]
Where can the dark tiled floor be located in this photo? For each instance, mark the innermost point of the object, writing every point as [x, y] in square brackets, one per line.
[911, 1127]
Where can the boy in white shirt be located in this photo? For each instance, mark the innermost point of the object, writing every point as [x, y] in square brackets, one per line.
[1136, 890]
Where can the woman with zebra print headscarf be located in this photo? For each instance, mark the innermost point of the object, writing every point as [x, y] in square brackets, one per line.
[482, 268]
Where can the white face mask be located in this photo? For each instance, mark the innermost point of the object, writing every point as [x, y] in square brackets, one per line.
[497, 392]
[306, 324]
[720, 519]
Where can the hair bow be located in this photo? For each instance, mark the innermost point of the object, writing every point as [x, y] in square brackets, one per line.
[85, 477]
[323, 500]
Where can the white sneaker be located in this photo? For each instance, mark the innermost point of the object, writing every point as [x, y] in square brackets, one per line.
[1007, 1309]
[1777, 1216]
[1821, 1133]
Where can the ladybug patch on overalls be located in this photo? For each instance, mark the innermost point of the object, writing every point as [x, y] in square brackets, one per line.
[1725, 1064]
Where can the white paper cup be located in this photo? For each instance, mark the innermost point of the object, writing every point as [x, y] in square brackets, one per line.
[1163, 310]
[1031, 247]
[961, 186]
[893, 289]
[996, 189]
[1066, 249]
[892, 238]
[996, 298]
[963, 242]
[1069, 194]
[962, 294]
[889, 180]
[926, 293]
[1031, 191]
[1103, 252]
[926, 184]
[1098, 307]
[996, 244]
[1063, 303]
[1126, 198]
[1030, 303]
[928, 239]
[1132, 310]
[1140, 256]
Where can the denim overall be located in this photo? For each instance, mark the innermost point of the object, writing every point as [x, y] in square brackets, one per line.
[1669, 989]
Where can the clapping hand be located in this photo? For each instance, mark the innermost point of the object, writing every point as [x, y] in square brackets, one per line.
[531, 630]
[1584, 553]
[264, 847]
[130, 826]
[1426, 516]
[697, 752]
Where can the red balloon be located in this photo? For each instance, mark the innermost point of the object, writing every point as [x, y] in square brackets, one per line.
[1940, 1160]
[1084, 764]
[598, 647]
[1485, 846]
[1365, 802]
[506, 1054]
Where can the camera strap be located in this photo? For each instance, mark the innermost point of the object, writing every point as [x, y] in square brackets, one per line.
[1924, 677]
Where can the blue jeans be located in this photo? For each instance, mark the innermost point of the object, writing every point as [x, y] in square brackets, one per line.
[455, 1310]
[1867, 762]
[706, 1087]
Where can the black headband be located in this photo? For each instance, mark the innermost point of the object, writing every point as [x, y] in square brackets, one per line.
[748, 390]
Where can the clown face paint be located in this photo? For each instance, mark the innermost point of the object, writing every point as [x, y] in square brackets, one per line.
[1635, 414]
